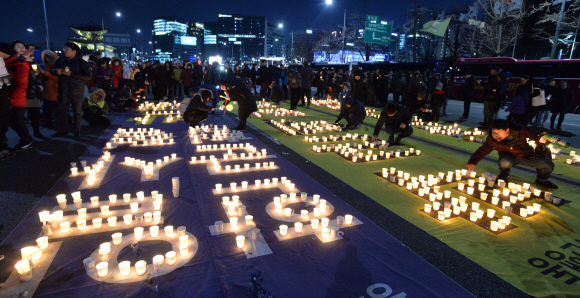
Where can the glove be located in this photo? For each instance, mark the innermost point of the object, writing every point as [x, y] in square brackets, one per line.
[336, 122]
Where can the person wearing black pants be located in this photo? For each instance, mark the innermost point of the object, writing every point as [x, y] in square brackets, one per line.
[294, 82]
[353, 111]
[467, 94]
[395, 118]
[246, 101]
[561, 103]
[306, 75]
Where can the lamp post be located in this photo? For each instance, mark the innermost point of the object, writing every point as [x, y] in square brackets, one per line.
[329, 2]
[46, 22]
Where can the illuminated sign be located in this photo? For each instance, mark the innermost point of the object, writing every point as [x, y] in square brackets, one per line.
[308, 31]
[224, 16]
[232, 39]
[237, 35]
[188, 40]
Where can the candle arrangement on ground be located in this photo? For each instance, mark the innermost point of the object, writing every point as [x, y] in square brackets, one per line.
[442, 206]
[508, 196]
[450, 130]
[354, 154]
[140, 137]
[158, 108]
[293, 128]
[199, 133]
[150, 170]
[95, 172]
[332, 104]
[575, 160]
[98, 216]
[241, 222]
[278, 112]
[103, 263]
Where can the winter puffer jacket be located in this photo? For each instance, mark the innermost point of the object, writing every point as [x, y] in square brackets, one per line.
[72, 88]
[18, 69]
[117, 72]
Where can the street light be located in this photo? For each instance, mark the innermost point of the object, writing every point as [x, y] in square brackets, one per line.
[329, 2]
[280, 25]
[138, 30]
[118, 14]
[30, 30]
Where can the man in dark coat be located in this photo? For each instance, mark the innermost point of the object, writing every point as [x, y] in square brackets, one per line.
[395, 118]
[397, 86]
[511, 142]
[73, 75]
[306, 75]
[246, 101]
[466, 93]
[491, 94]
[353, 111]
[197, 109]
[359, 88]
[263, 78]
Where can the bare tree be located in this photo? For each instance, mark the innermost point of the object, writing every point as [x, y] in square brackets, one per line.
[551, 16]
[328, 45]
[502, 24]
[454, 43]
[428, 46]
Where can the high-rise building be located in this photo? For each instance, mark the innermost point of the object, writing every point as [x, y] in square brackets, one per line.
[174, 38]
[276, 42]
[237, 37]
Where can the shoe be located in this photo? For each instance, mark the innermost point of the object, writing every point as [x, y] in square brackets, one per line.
[551, 127]
[24, 146]
[39, 135]
[301, 105]
[559, 127]
[504, 178]
[391, 140]
[546, 184]
[77, 134]
[239, 128]
[59, 134]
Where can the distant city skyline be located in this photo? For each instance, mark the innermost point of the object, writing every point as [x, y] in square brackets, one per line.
[137, 20]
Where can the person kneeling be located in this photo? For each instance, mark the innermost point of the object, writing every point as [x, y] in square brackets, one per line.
[246, 101]
[395, 118]
[94, 108]
[352, 111]
[197, 109]
[277, 93]
[510, 141]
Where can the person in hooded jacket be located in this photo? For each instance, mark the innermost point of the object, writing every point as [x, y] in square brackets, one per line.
[95, 108]
[263, 78]
[561, 104]
[197, 109]
[433, 83]
[168, 79]
[437, 101]
[104, 79]
[246, 101]
[466, 93]
[549, 93]
[283, 81]
[353, 111]
[50, 104]
[295, 84]
[177, 83]
[207, 74]
[415, 83]
[277, 93]
[73, 75]
[492, 94]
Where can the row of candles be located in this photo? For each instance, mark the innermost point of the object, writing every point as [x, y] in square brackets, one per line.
[248, 147]
[325, 229]
[157, 137]
[160, 106]
[93, 169]
[347, 151]
[149, 167]
[237, 168]
[314, 127]
[279, 202]
[283, 127]
[169, 258]
[258, 183]
[555, 151]
[279, 112]
[226, 156]
[451, 130]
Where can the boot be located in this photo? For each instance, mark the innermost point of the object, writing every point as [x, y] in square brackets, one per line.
[546, 184]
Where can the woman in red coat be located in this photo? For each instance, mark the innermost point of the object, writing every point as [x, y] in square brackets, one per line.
[117, 68]
[186, 77]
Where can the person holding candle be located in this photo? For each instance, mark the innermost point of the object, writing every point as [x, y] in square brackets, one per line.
[395, 118]
[510, 141]
[353, 111]
[95, 108]
[246, 101]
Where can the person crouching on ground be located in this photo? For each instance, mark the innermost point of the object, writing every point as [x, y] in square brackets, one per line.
[246, 101]
[395, 118]
[510, 141]
[95, 108]
[197, 109]
[353, 111]
[277, 92]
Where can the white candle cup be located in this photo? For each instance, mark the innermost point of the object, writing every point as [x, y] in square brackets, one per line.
[283, 230]
[154, 231]
[148, 216]
[78, 203]
[97, 222]
[436, 205]
[138, 232]
[64, 227]
[157, 216]
[158, 262]
[298, 227]
[117, 238]
[112, 221]
[257, 183]
[473, 216]
[141, 267]
[244, 184]
[240, 241]
[490, 213]
[113, 199]
[105, 210]
[324, 222]
[102, 269]
[304, 214]
[183, 249]
[234, 222]
[325, 233]
[124, 268]
[287, 212]
[141, 195]
[42, 242]
[170, 258]
[181, 230]
[475, 206]
[168, 231]
[218, 187]
[81, 224]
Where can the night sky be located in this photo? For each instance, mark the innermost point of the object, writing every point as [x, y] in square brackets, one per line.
[17, 16]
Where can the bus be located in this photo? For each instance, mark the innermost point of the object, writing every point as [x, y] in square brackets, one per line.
[561, 70]
[432, 66]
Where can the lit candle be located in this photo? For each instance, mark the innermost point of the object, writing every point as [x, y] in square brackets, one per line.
[102, 269]
[141, 267]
